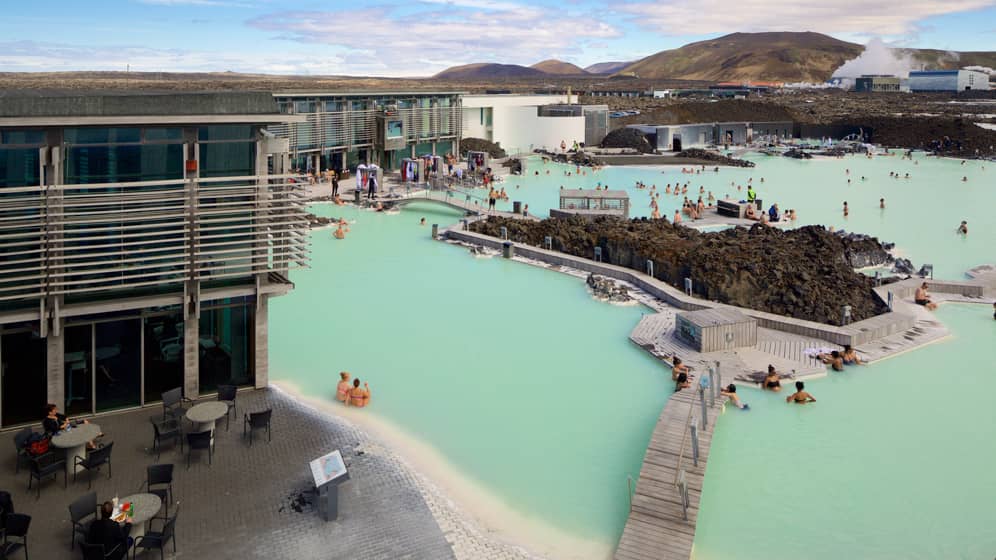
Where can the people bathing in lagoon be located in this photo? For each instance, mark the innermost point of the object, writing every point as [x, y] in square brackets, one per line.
[881, 203]
[339, 233]
[359, 396]
[343, 388]
[846, 211]
[833, 359]
[731, 392]
[772, 381]
[850, 356]
[963, 228]
[800, 396]
[773, 214]
[677, 217]
[682, 382]
[678, 368]
[750, 214]
[921, 297]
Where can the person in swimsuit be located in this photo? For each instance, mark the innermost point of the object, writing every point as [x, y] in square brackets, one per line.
[833, 359]
[492, 196]
[850, 357]
[923, 298]
[682, 382]
[800, 396]
[678, 369]
[963, 228]
[772, 381]
[731, 392]
[342, 390]
[359, 397]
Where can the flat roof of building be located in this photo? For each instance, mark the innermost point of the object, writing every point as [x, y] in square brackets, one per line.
[94, 108]
[592, 193]
[935, 72]
[392, 93]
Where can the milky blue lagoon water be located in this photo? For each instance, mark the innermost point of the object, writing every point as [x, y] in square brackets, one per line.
[530, 388]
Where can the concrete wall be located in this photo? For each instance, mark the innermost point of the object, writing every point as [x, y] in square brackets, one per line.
[519, 129]
[473, 126]
[854, 334]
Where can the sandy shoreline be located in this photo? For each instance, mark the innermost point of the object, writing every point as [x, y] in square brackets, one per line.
[485, 511]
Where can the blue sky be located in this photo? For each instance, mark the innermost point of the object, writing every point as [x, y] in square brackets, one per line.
[421, 37]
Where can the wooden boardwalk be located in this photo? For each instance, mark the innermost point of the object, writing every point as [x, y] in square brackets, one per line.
[655, 334]
[657, 528]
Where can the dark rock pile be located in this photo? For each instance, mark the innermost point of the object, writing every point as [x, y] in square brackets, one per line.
[319, 221]
[796, 153]
[514, 166]
[805, 273]
[579, 158]
[698, 153]
[628, 138]
[608, 289]
[481, 145]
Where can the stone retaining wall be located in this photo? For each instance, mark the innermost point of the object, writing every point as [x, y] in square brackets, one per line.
[854, 334]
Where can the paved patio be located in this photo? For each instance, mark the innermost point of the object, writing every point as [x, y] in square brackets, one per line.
[245, 504]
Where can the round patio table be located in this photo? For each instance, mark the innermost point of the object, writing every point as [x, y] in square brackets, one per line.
[204, 416]
[146, 507]
[74, 441]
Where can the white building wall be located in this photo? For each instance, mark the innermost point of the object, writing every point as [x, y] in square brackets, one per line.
[519, 129]
[473, 125]
[970, 79]
[515, 123]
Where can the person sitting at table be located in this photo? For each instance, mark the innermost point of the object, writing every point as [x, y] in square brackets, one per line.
[109, 533]
[359, 397]
[55, 422]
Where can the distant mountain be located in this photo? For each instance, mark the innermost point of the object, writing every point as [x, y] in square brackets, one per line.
[774, 56]
[554, 66]
[485, 70]
[606, 67]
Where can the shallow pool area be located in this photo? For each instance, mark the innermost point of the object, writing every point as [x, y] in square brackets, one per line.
[515, 374]
[921, 213]
[894, 460]
[529, 388]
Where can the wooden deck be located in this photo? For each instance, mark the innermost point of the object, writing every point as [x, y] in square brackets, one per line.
[657, 528]
[655, 334]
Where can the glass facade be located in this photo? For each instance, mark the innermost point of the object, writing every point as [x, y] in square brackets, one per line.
[227, 346]
[163, 352]
[23, 360]
[78, 368]
[118, 357]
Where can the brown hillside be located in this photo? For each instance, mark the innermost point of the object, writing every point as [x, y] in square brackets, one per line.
[776, 56]
[553, 66]
[483, 70]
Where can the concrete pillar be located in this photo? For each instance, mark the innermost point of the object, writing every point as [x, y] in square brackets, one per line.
[262, 343]
[56, 369]
[191, 357]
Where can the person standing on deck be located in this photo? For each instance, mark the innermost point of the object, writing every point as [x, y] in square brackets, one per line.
[371, 185]
[334, 179]
[751, 195]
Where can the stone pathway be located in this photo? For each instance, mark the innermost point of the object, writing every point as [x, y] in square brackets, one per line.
[255, 502]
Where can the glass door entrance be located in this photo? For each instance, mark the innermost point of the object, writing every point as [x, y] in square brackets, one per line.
[103, 366]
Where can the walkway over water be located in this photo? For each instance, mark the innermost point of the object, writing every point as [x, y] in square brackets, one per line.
[662, 518]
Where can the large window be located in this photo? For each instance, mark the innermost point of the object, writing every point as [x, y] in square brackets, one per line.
[78, 366]
[227, 346]
[118, 358]
[123, 155]
[227, 151]
[23, 357]
[163, 352]
[19, 158]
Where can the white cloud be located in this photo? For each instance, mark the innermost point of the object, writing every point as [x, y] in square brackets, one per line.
[880, 17]
[403, 43]
[31, 56]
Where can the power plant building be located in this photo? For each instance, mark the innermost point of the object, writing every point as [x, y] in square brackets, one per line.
[948, 80]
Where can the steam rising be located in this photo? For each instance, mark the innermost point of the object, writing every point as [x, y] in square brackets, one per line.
[877, 58]
[985, 69]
